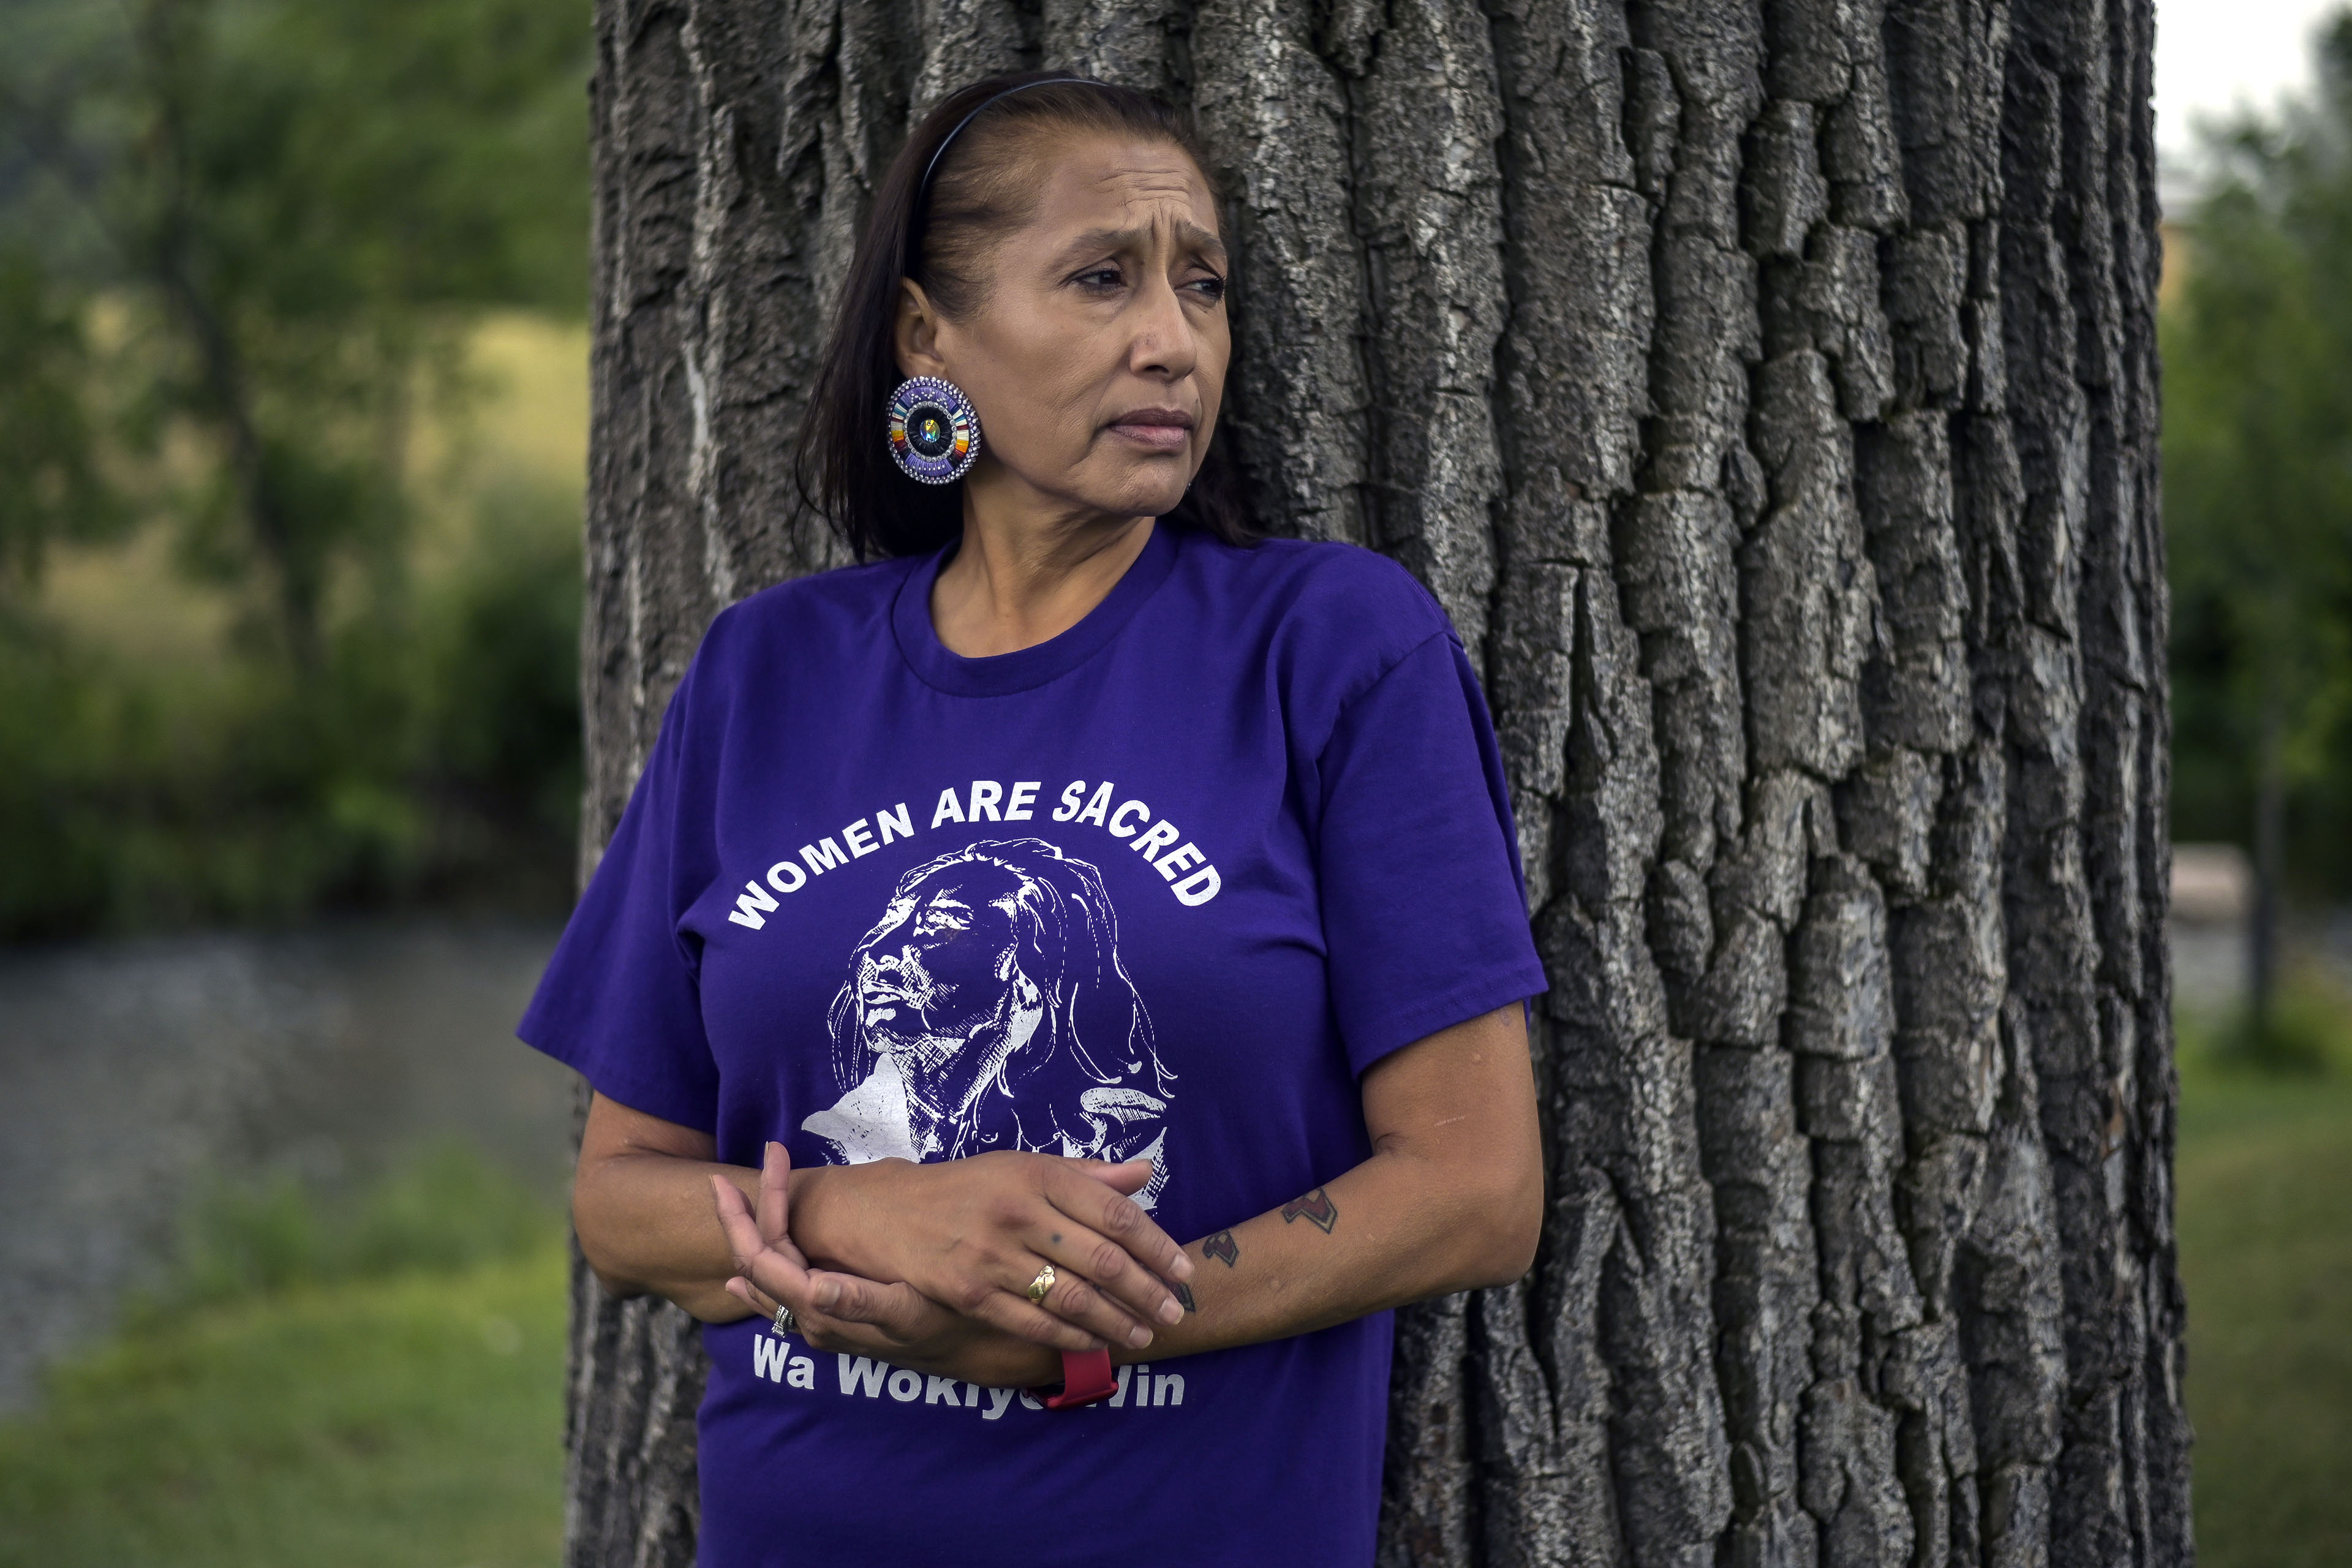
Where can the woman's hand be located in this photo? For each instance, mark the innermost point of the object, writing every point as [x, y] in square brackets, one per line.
[971, 1234]
[836, 1311]
[642, 1210]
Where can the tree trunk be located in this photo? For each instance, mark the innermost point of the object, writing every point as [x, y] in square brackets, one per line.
[1769, 395]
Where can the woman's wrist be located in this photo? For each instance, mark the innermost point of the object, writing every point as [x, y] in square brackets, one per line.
[1032, 1366]
[977, 1353]
[823, 1222]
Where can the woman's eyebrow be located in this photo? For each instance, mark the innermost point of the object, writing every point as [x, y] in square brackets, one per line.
[1190, 236]
[1200, 239]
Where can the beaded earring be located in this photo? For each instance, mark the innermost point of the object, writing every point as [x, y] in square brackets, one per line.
[934, 433]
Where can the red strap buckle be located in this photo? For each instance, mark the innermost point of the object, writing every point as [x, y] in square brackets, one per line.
[1086, 1377]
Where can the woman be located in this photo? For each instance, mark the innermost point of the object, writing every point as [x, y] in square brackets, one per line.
[1197, 918]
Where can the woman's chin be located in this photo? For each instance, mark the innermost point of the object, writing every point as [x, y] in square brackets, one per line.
[1150, 486]
[1159, 501]
[1156, 502]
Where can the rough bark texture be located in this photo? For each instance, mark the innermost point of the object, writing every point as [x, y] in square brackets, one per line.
[1769, 392]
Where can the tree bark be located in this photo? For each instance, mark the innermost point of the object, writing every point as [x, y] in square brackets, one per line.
[1770, 393]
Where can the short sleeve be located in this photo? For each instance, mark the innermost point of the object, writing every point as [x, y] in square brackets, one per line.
[621, 1001]
[1424, 914]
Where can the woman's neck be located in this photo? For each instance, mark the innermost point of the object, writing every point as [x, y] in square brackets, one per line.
[1021, 577]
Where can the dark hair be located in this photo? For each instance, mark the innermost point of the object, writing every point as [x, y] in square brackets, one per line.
[938, 238]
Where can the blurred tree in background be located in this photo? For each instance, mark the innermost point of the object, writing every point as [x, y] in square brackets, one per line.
[2258, 501]
[243, 247]
[49, 483]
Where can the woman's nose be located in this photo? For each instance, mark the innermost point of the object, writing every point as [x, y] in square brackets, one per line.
[1164, 343]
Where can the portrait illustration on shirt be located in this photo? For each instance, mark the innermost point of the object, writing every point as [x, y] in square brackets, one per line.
[988, 1009]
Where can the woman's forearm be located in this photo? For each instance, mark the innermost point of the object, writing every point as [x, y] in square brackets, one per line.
[646, 1226]
[641, 1204]
[1452, 1199]
[1390, 1231]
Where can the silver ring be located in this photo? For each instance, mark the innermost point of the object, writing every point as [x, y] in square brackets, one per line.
[785, 1323]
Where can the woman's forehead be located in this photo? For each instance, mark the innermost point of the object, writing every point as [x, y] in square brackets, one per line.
[1118, 183]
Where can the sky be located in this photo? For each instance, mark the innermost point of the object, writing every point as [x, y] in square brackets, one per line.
[2211, 55]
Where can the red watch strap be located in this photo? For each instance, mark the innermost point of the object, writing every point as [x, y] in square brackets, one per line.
[1086, 1377]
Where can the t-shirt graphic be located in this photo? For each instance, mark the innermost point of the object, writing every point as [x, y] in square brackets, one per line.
[988, 1009]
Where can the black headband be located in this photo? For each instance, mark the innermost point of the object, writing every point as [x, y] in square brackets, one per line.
[924, 190]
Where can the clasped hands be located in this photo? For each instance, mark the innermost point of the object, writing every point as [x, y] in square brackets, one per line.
[945, 1257]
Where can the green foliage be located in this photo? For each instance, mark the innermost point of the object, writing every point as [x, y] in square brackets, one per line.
[49, 483]
[435, 755]
[344, 159]
[241, 245]
[295, 202]
[2308, 1033]
[502, 662]
[445, 1209]
[2258, 479]
[378, 1423]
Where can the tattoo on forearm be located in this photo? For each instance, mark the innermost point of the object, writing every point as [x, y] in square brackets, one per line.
[1185, 1294]
[1316, 1206]
[1223, 1247]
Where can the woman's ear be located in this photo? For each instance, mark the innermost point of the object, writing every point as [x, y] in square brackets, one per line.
[916, 334]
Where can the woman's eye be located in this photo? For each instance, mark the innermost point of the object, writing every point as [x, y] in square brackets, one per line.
[1210, 288]
[1101, 278]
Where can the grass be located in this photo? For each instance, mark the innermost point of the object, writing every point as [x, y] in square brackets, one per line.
[378, 1380]
[381, 1383]
[2265, 1207]
[412, 1422]
[441, 1211]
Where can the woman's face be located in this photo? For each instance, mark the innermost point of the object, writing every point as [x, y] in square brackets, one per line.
[938, 972]
[1097, 358]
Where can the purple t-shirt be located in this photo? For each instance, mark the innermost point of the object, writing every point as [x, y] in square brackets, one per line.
[1165, 885]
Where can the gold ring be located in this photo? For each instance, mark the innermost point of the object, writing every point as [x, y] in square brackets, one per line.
[1042, 1284]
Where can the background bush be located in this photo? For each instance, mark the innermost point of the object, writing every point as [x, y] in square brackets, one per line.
[247, 249]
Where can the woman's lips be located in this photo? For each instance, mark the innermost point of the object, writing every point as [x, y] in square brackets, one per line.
[1159, 429]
